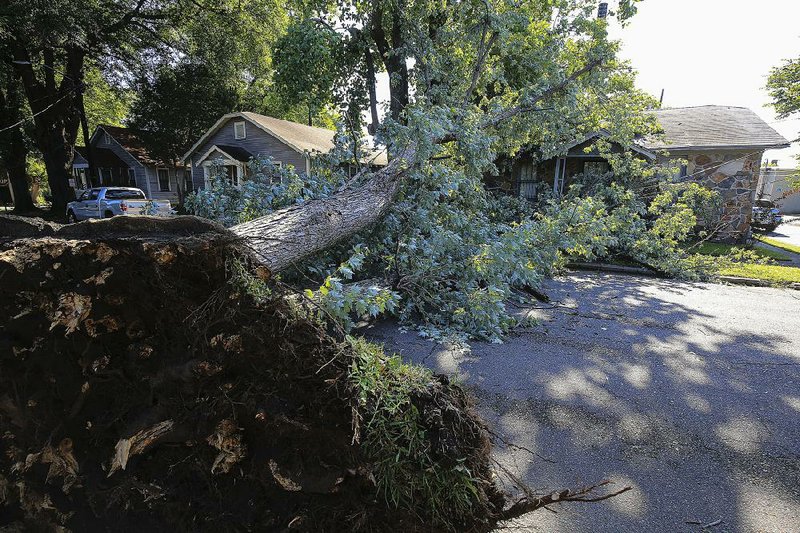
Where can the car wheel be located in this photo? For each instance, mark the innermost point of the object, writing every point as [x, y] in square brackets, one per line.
[108, 214]
[71, 218]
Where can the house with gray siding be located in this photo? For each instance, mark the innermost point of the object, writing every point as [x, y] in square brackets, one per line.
[121, 158]
[236, 138]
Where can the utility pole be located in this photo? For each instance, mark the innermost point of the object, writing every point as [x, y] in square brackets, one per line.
[661, 100]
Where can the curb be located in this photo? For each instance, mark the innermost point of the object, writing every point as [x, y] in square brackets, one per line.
[617, 269]
[641, 271]
[752, 282]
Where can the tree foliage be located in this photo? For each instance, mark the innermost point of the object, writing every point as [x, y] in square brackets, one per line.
[178, 102]
[306, 66]
[468, 82]
[783, 85]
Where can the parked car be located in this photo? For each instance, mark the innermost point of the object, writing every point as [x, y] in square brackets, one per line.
[107, 202]
[766, 215]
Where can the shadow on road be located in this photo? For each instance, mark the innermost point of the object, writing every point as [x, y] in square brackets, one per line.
[690, 393]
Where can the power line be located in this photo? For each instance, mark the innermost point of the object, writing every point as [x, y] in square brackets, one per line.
[27, 119]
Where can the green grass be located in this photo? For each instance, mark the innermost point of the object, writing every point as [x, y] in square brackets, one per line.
[778, 244]
[718, 249]
[394, 435]
[773, 273]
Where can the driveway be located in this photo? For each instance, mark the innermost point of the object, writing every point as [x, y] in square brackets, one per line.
[689, 393]
[789, 231]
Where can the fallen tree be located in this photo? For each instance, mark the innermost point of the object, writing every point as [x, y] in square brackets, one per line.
[143, 387]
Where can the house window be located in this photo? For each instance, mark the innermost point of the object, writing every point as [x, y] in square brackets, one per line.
[527, 181]
[188, 186]
[232, 175]
[131, 177]
[239, 131]
[106, 176]
[163, 180]
[106, 138]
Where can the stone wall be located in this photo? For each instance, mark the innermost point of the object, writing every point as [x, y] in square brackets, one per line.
[735, 175]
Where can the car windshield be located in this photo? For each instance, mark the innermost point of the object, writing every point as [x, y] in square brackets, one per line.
[124, 194]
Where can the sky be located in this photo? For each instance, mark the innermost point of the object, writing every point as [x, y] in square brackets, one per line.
[715, 52]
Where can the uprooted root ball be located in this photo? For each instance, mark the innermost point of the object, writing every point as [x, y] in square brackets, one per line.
[141, 390]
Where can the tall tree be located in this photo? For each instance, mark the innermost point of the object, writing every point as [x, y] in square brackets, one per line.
[179, 103]
[306, 66]
[783, 85]
[50, 43]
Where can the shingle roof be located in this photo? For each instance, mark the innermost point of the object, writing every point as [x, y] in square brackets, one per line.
[713, 126]
[298, 136]
[101, 157]
[131, 141]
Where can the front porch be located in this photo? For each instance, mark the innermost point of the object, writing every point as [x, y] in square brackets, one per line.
[530, 176]
[111, 171]
[232, 159]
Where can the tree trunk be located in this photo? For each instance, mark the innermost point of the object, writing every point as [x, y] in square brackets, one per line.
[16, 164]
[56, 114]
[393, 59]
[292, 234]
[57, 162]
[373, 98]
[92, 170]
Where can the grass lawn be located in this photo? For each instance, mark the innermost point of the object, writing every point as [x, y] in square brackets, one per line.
[773, 273]
[778, 244]
[717, 249]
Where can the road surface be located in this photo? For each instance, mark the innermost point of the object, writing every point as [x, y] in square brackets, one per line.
[689, 393]
[789, 231]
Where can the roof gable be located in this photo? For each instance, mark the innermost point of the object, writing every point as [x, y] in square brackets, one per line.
[233, 153]
[713, 126]
[130, 140]
[299, 137]
[638, 148]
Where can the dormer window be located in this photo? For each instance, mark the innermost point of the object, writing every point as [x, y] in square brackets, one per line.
[239, 130]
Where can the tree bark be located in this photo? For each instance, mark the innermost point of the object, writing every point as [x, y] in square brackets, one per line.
[373, 98]
[394, 60]
[92, 170]
[55, 115]
[287, 236]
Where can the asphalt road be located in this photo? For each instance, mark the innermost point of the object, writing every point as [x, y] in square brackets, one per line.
[689, 393]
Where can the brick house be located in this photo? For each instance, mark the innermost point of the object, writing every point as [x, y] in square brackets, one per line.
[721, 145]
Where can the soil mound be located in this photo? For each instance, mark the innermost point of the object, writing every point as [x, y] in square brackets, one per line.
[142, 390]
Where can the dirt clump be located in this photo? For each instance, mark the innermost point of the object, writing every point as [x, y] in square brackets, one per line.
[141, 389]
